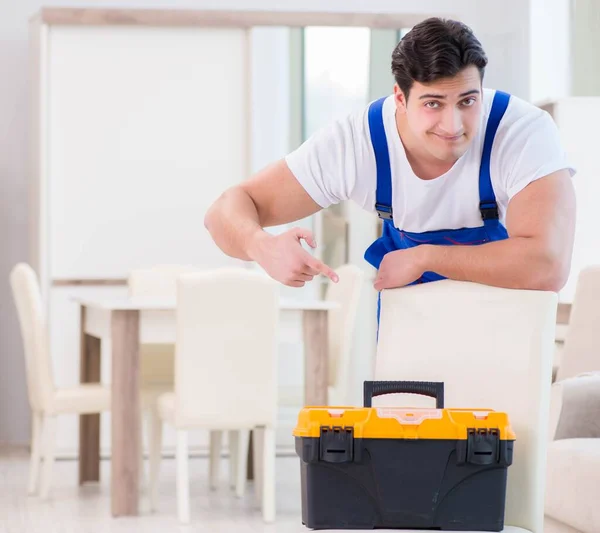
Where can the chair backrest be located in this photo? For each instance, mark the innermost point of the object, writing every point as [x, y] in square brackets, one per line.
[342, 320]
[492, 348]
[226, 350]
[157, 281]
[581, 350]
[38, 365]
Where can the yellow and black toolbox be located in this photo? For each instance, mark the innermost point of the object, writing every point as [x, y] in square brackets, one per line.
[389, 467]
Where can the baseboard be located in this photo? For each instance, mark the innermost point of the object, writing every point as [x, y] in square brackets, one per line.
[168, 452]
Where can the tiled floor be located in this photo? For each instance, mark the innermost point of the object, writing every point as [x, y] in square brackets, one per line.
[73, 509]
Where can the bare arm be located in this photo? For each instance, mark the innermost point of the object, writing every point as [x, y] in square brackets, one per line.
[540, 221]
[271, 197]
[537, 255]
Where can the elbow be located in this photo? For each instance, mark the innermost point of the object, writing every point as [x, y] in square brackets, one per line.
[211, 214]
[208, 218]
[216, 213]
[552, 274]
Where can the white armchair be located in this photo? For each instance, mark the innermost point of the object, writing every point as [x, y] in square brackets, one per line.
[581, 349]
[573, 464]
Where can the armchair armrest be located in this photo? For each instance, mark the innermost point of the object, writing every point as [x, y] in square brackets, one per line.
[575, 407]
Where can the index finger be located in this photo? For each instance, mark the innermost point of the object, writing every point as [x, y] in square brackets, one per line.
[323, 269]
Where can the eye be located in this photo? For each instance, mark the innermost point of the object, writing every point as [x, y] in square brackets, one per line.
[432, 105]
[468, 102]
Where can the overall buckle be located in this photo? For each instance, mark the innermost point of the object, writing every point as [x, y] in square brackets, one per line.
[384, 211]
[489, 211]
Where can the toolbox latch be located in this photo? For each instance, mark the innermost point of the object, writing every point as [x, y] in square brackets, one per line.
[336, 444]
[483, 446]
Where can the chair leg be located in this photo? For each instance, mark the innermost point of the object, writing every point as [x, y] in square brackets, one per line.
[216, 440]
[36, 449]
[49, 441]
[183, 478]
[234, 438]
[241, 462]
[258, 436]
[268, 481]
[155, 450]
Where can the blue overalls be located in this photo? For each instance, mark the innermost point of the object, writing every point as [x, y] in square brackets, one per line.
[396, 239]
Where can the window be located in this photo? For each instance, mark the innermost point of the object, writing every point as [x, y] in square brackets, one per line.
[336, 74]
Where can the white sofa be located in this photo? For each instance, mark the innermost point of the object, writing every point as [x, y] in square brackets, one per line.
[572, 501]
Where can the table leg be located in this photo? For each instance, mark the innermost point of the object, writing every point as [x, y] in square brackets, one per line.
[89, 425]
[316, 357]
[125, 335]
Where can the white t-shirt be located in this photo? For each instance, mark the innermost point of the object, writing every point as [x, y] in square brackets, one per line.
[338, 163]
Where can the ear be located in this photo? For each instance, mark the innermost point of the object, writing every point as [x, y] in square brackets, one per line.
[400, 99]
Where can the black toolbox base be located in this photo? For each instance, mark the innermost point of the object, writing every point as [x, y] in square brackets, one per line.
[402, 484]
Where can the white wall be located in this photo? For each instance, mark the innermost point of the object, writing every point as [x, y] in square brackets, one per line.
[549, 40]
[585, 45]
[502, 28]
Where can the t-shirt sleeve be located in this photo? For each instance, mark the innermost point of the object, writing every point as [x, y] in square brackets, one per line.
[325, 164]
[531, 150]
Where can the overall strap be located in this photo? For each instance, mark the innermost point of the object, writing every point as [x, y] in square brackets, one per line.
[383, 195]
[487, 199]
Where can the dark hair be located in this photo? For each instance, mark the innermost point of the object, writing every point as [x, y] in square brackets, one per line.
[435, 49]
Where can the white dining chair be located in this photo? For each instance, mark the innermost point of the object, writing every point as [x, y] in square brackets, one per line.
[341, 325]
[225, 374]
[46, 401]
[492, 348]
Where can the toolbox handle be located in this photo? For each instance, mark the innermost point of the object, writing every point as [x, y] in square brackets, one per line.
[434, 389]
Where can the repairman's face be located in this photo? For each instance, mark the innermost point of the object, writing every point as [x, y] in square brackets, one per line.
[443, 117]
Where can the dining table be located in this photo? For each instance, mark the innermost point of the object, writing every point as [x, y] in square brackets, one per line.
[126, 323]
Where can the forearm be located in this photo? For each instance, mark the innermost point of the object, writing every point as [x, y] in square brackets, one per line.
[233, 223]
[516, 263]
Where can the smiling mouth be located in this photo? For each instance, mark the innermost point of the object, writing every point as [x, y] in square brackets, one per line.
[449, 139]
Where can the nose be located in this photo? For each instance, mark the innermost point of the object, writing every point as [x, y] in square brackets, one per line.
[451, 124]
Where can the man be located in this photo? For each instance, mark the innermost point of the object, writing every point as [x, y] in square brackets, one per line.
[472, 184]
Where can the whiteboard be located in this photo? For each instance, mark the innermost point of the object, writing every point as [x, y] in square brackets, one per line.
[146, 127]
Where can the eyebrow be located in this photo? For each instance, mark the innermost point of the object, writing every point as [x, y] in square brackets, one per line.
[443, 96]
